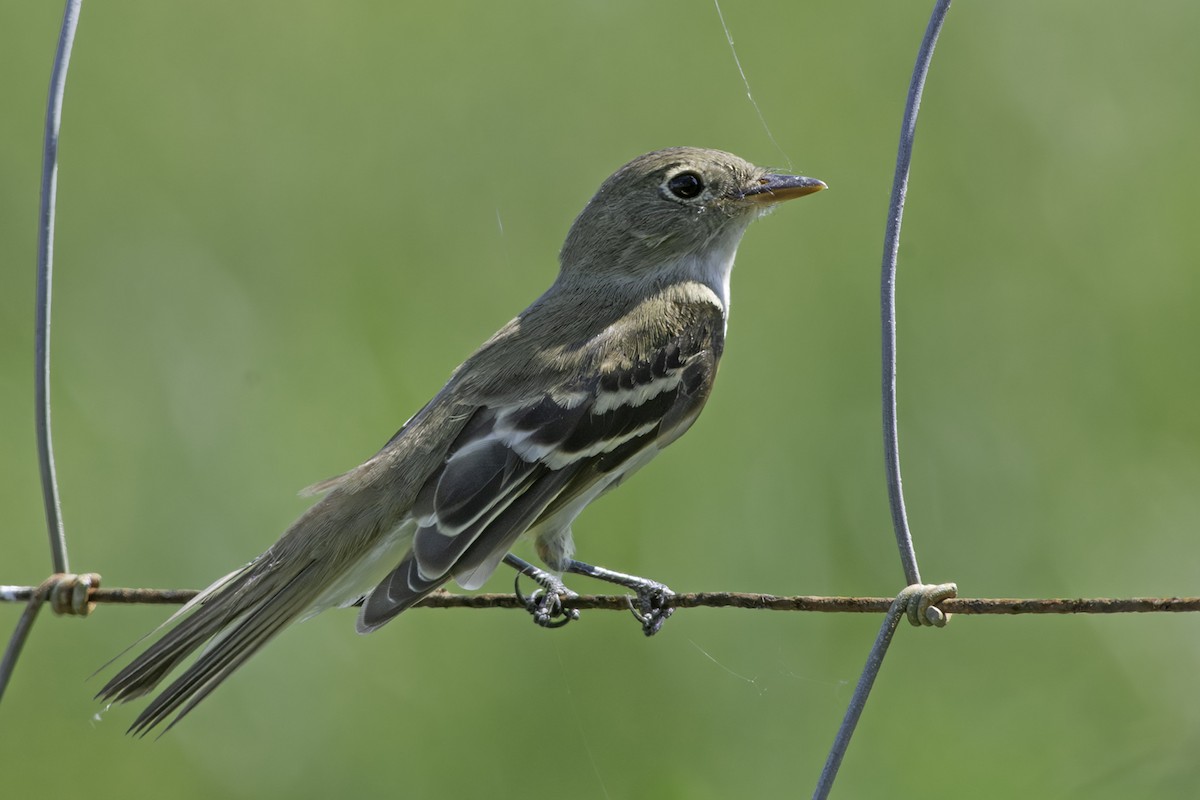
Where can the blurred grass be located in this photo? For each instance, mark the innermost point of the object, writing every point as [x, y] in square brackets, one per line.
[281, 225]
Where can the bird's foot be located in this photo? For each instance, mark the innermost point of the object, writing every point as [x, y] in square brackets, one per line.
[545, 605]
[653, 603]
[653, 606]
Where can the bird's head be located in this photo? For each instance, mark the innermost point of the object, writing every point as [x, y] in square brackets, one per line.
[679, 204]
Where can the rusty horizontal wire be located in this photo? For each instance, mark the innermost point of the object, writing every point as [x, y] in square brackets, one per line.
[747, 600]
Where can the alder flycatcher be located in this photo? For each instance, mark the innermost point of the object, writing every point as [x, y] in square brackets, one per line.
[609, 366]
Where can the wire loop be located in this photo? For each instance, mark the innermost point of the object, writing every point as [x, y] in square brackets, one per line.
[921, 601]
[71, 594]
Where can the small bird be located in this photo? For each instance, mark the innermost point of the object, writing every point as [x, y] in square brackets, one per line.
[609, 366]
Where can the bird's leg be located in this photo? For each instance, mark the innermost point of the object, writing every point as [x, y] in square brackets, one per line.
[653, 598]
[544, 604]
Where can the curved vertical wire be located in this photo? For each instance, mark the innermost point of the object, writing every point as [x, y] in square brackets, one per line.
[891, 444]
[45, 264]
[891, 250]
[45, 271]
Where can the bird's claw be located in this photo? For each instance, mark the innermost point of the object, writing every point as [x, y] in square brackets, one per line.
[653, 606]
[546, 604]
[547, 608]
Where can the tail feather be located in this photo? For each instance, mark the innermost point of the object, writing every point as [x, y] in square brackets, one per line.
[211, 610]
[249, 612]
[222, 657]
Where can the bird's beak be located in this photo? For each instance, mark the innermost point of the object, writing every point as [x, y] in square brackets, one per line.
[774, 188]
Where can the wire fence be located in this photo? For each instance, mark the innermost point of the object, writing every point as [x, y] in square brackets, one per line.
[927, 605]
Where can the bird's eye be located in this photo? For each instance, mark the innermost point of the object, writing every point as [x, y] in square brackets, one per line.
[686, 185]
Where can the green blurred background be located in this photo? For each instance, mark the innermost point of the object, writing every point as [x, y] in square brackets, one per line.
[281, 225]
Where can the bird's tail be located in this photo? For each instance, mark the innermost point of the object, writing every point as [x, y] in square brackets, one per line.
[236, 616]
[331, 556]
